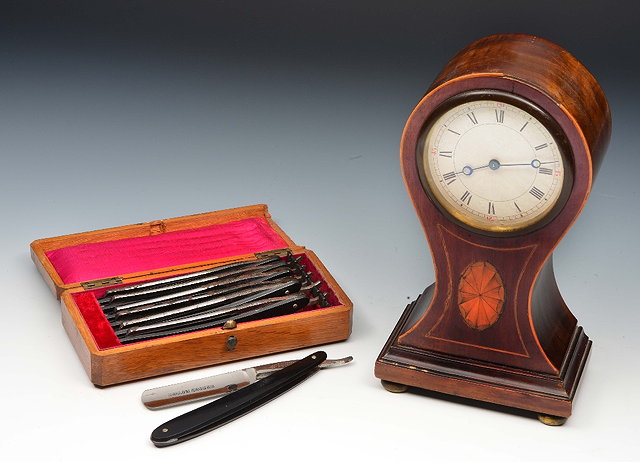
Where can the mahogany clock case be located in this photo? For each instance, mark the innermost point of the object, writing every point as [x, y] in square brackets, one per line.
[533, 355]
[79, 268]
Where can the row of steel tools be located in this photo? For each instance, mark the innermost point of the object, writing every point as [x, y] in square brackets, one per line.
[235, 292]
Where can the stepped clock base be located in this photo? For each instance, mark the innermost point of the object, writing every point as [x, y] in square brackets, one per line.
[550, 396]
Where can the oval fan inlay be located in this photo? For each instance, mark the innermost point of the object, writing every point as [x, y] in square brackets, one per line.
[480, 295]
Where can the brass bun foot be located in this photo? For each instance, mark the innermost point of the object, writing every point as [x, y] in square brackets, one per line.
[394, 387]
[551, 420]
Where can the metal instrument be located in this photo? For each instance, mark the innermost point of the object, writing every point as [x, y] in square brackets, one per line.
[181, 277]
[240, 291]
[260, 309]
[236, 404]
[224, 286]
[177, 285]
[219, 385]
[216, 304]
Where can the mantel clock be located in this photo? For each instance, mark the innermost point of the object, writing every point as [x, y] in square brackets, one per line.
[499, 158]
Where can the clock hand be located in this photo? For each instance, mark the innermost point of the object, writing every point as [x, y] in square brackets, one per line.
[515, 165]
[467, 170]
[495, 165]
[535, 163]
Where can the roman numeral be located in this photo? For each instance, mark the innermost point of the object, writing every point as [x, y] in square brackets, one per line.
[450, 177]
[466, 197]
[545, 171]
[472, 118]
[542, 146]
[535, 192]
[492, 209]
[500, 115]
[516, 204]
[525, 124]
[452, 131]
[446, 153]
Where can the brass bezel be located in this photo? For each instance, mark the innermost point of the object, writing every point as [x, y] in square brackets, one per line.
[497, 229]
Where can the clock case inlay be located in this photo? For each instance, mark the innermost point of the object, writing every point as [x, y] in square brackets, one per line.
[533, 356]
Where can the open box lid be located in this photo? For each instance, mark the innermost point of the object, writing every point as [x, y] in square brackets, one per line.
[164, 247]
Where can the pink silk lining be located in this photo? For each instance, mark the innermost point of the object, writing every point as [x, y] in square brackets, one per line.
[86, 262]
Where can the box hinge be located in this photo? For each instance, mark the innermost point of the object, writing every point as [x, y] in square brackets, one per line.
[286, 252]
[101, 283]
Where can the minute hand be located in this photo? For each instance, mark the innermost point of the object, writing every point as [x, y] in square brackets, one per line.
[534, 163]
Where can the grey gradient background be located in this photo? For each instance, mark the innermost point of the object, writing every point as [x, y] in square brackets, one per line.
[114, 113]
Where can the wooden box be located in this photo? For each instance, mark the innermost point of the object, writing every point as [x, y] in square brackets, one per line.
[79, 268]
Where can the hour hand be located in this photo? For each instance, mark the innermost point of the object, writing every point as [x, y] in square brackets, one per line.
[468, 170]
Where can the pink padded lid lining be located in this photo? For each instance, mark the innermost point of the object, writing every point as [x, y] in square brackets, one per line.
[86, 262]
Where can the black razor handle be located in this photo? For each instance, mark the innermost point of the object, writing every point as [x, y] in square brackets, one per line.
[236, 404]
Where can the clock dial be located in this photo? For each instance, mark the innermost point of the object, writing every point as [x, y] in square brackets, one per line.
[493, 165]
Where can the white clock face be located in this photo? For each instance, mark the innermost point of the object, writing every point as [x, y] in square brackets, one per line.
[493, 165]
